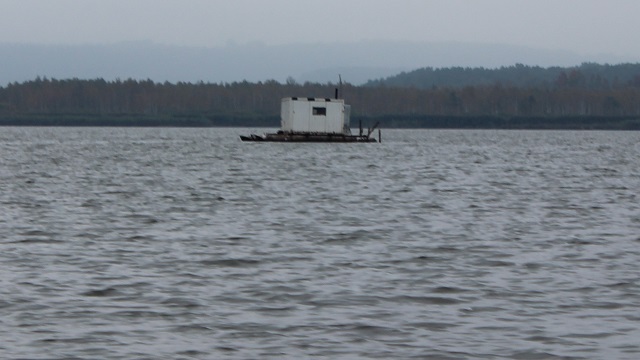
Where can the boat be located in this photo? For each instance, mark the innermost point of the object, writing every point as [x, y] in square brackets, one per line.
[315, 120]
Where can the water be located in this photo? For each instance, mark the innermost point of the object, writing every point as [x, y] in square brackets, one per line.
[188, 244]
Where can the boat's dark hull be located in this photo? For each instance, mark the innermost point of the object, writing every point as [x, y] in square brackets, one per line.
[307, 137]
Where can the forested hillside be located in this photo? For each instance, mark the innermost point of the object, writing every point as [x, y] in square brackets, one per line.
[589, 96]
[588, 75]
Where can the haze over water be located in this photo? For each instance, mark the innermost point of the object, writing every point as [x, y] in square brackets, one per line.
[188, 244]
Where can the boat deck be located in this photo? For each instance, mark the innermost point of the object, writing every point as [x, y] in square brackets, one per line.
[307, 137]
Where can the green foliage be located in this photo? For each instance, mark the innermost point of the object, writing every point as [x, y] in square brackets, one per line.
[587, 75]
[589, 96]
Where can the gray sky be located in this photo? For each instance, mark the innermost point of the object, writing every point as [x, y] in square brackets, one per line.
[582, 26]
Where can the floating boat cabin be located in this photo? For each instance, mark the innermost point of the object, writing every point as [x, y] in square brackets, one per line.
[314, 120]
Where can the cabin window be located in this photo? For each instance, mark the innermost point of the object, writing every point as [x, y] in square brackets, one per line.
[319, 111]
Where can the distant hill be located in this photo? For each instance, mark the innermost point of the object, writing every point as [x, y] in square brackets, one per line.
[587, 75]
[322, 62]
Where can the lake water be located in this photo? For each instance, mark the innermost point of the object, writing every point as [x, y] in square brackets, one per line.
[120, 243]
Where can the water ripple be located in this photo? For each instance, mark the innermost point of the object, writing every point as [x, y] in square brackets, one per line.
[186, 243]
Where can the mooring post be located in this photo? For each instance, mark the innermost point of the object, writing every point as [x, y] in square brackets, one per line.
[379, 135]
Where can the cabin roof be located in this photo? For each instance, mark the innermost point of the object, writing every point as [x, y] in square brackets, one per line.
[295, 98]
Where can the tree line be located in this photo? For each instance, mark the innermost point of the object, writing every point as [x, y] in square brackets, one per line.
[571, 100]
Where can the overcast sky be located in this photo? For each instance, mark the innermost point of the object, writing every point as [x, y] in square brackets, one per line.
[583, 26]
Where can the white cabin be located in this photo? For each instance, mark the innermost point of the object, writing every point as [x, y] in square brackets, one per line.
[315, 115]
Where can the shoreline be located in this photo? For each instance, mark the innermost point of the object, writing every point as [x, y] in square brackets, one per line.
[386, 121]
